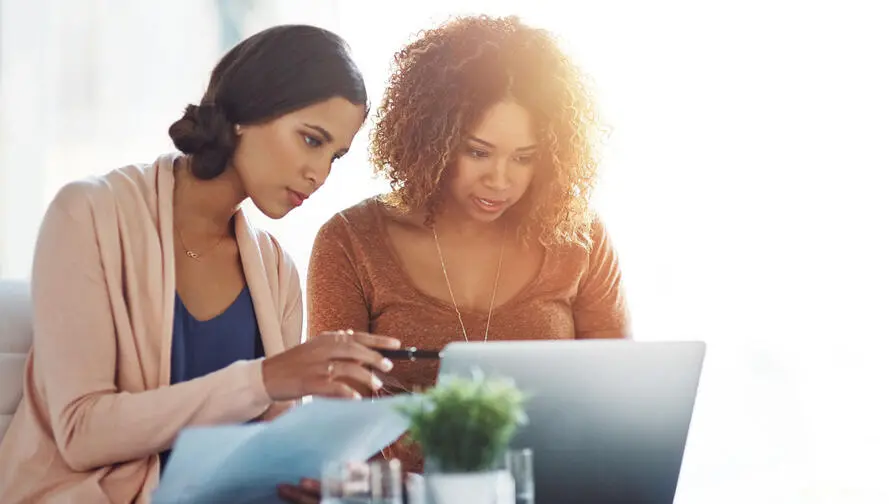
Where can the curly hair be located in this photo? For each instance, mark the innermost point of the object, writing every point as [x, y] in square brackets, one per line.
[444, 81]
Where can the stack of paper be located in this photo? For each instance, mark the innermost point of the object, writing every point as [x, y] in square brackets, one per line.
[245, 463]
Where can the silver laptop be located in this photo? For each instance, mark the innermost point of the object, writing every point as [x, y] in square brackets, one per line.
[608, 419]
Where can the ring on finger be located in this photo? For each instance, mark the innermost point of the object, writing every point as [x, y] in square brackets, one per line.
[330, 370]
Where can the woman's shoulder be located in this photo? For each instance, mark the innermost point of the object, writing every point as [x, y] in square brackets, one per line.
[582, 248]
[134, 185]
[365, 218]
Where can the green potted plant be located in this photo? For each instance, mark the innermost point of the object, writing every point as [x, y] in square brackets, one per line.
[464, 427]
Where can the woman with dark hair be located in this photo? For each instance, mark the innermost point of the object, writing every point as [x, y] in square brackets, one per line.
[488, 136]
[157, 306]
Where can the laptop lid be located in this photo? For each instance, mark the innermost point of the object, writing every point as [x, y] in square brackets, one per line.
[608, 419]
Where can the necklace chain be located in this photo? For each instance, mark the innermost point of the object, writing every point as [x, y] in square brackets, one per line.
[191, 254]
[444, 270]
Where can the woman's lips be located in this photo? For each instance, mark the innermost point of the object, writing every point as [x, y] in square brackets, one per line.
[489, 205]
[296, 198]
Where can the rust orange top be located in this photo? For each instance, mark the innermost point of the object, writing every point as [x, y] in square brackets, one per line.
[356, 281]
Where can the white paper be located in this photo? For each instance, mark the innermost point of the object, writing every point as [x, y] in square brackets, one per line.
[245, 463]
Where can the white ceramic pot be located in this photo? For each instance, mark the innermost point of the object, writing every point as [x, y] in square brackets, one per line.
[491, 487]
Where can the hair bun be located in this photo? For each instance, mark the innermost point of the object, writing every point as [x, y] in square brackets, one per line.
[205, 133]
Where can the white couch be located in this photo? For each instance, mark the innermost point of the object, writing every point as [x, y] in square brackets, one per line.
[15, 341]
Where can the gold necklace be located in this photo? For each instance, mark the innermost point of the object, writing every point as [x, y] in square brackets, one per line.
[191, 254]
[451, 291]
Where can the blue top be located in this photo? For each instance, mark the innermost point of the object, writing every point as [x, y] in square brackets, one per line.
[201, 347]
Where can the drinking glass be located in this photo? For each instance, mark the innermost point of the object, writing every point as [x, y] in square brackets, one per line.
[352, 482]
[520, 463]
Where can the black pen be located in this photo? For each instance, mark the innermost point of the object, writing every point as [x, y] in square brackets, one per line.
[409, 353]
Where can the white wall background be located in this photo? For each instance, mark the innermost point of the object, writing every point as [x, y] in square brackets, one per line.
[744, 184]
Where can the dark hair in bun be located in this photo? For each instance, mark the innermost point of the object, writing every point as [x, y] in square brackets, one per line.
[206, 134]
[271, 73]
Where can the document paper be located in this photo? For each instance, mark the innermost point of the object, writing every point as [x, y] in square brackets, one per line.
[245, 463]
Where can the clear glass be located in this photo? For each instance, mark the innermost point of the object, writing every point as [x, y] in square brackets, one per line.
[520, 463]
[375, 482]
[385, 482]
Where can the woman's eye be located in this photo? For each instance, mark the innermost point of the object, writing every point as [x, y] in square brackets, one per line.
[525, 159]
[477, 153]
[312, 141]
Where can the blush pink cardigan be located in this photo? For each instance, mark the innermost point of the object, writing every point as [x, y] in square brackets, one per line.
[97, 405]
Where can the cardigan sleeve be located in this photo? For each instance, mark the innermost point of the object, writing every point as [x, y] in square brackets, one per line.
[75, 355]
[292, 318]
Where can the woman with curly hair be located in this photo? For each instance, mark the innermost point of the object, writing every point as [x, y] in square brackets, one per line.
[487, 136]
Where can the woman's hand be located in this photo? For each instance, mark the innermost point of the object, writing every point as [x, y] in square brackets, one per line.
[326, 365]
[307, 492]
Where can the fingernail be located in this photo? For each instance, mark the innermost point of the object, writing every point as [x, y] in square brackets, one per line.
[376, 382]
[387, 365]
[356, 395]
